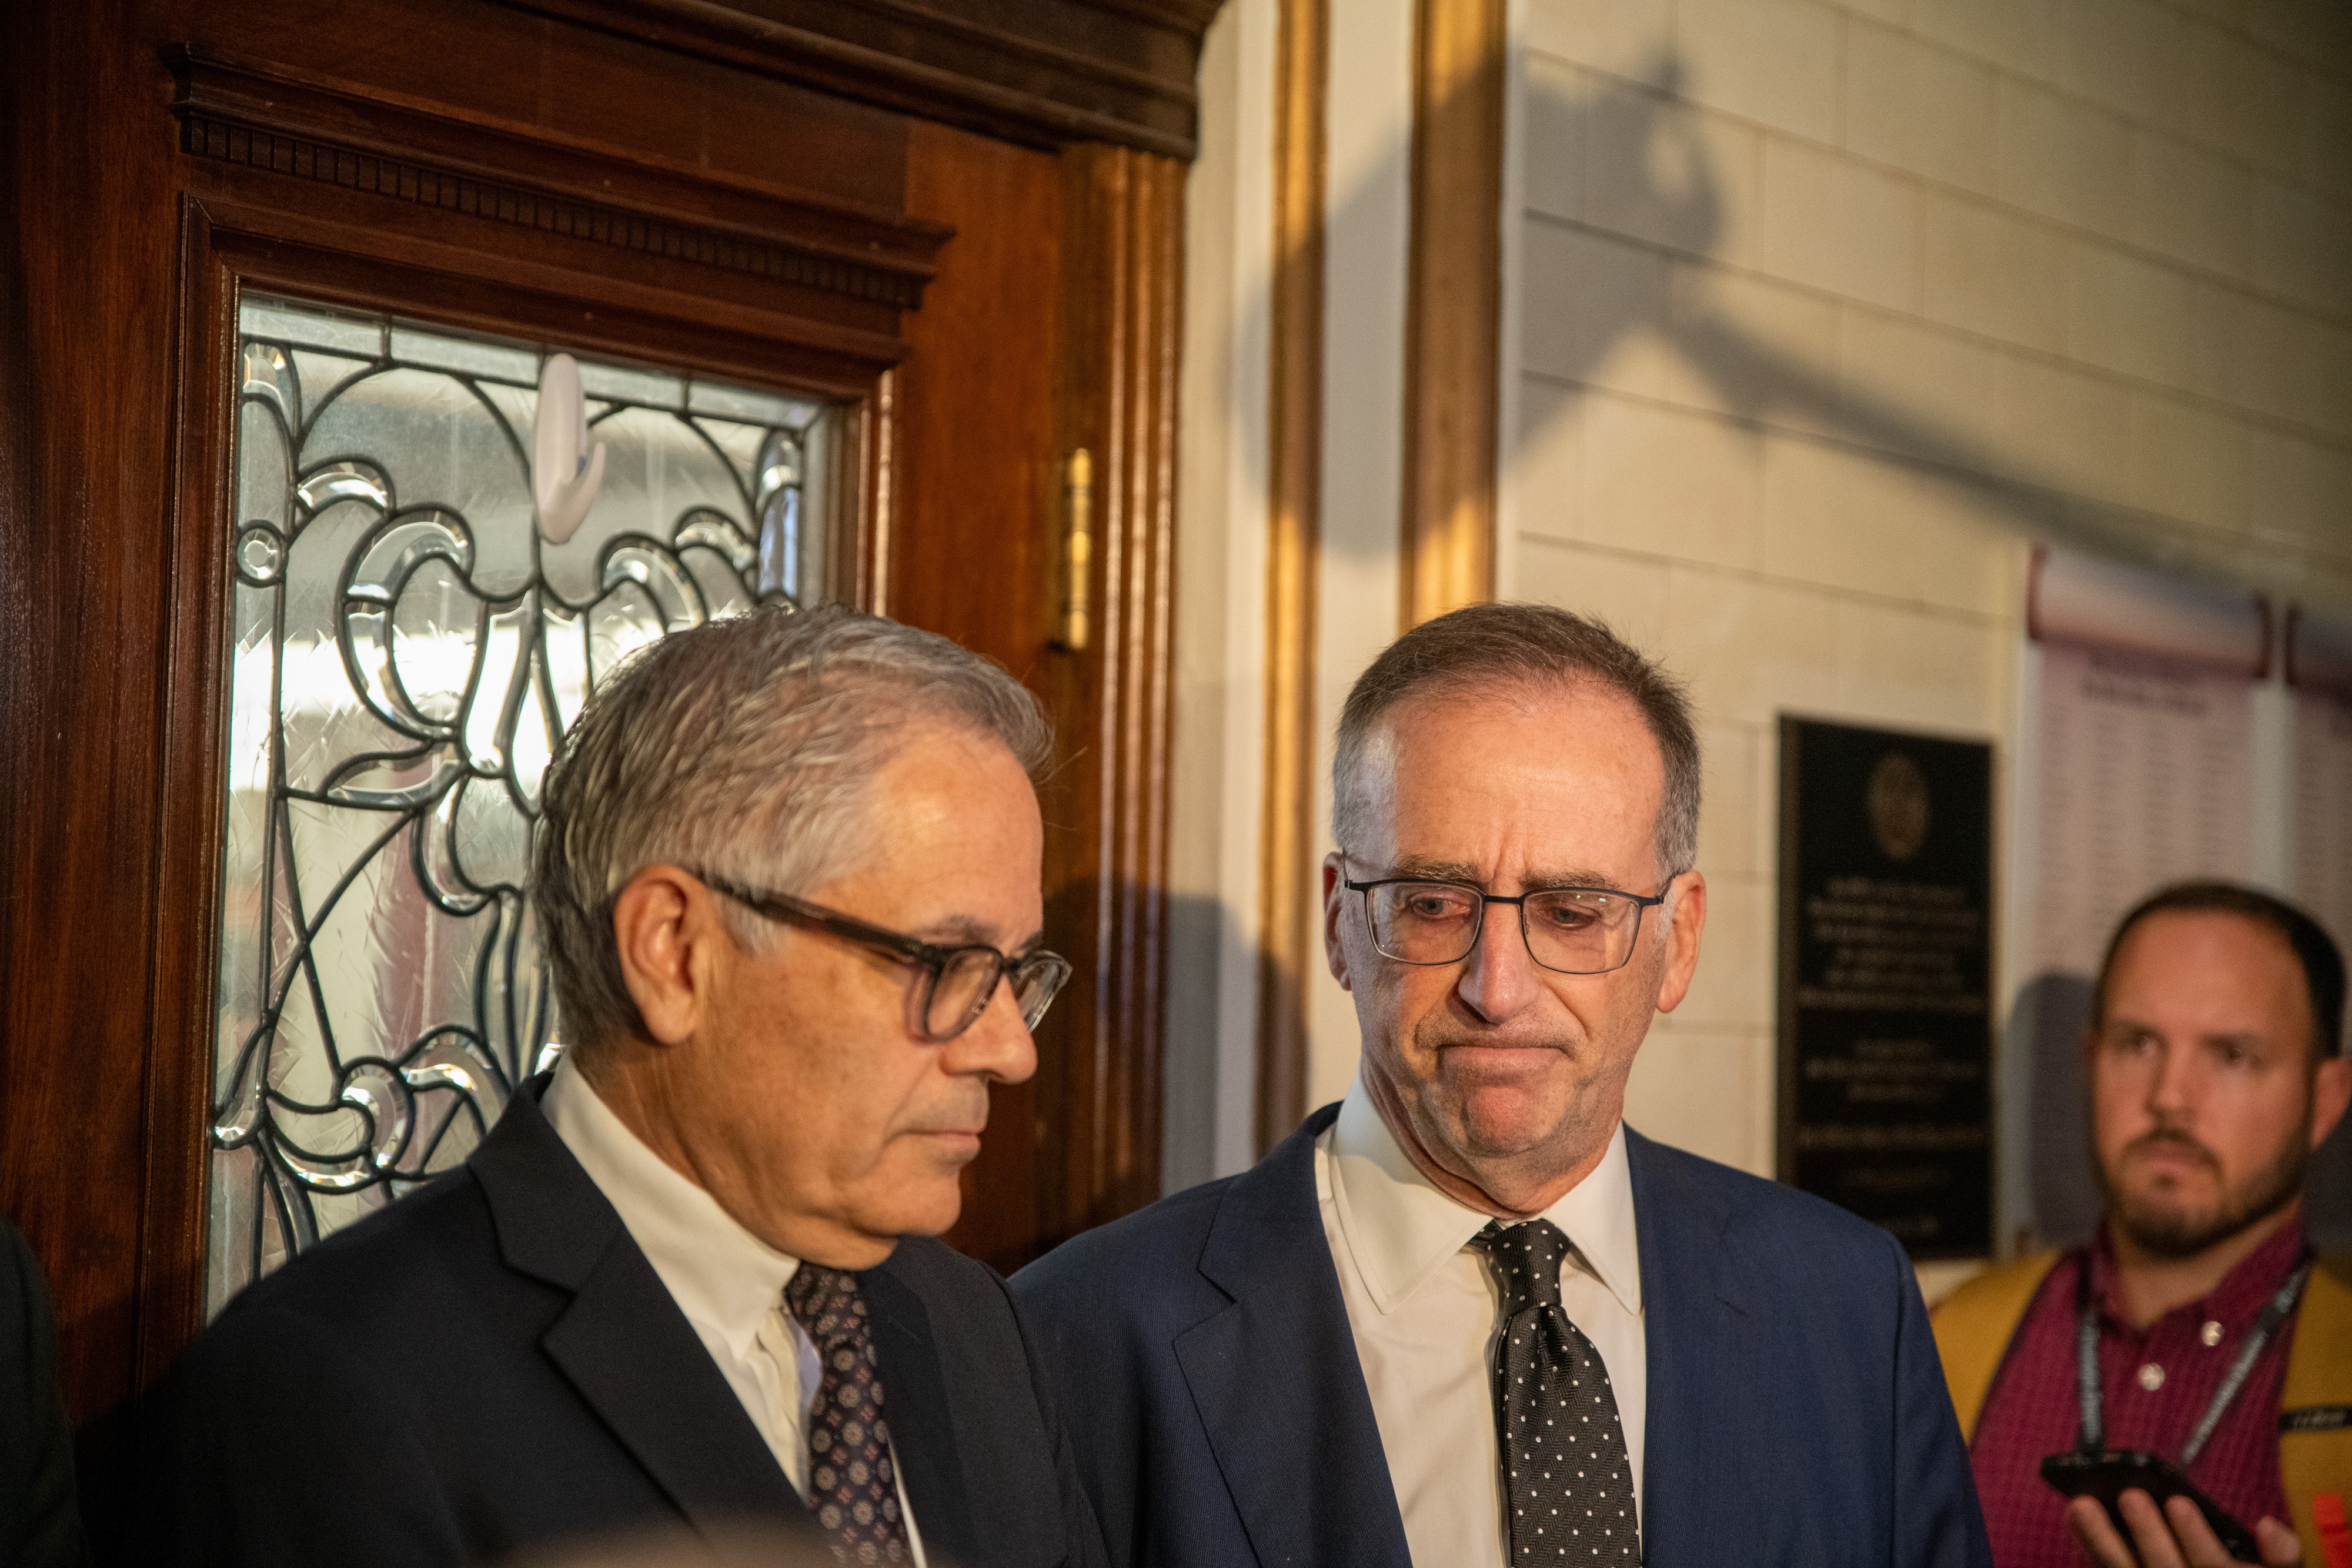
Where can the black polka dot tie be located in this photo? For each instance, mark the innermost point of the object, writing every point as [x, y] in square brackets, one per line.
[1566, 1482]
[853, 1489]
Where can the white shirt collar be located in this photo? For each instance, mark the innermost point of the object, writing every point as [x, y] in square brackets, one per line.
[1402, 1229]
[721, 1276]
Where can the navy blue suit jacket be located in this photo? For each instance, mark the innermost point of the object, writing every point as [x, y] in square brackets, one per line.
[1797, 1410]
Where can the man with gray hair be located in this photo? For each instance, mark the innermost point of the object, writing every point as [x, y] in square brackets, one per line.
[1466, 1316]
[789, 873]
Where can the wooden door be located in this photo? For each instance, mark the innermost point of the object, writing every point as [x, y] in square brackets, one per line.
[959, 234]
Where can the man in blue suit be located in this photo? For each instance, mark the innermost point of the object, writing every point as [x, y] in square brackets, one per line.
[1466, 1316]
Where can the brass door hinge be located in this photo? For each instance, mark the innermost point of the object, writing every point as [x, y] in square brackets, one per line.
[1077, 550]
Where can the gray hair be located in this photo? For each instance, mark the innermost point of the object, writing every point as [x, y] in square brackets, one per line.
[743, 747]
[1476, 649]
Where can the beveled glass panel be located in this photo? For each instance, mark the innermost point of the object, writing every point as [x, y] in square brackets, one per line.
[405, 651]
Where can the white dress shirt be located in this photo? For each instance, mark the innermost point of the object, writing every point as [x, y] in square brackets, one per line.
[1422, 1306]
[728, 1282]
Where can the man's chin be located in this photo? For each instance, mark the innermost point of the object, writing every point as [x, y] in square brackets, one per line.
[2179, 1227]
[1501, 1119]
[925, 1207]
[2177, 1214]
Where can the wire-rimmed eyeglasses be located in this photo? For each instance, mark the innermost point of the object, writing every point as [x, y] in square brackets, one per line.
[958, 982]
[1568, 930]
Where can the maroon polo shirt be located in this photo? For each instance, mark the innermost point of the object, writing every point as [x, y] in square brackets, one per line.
[2157, 1384]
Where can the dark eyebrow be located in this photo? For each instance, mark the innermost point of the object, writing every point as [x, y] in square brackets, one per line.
[2124, 1023]
[1426, 867]
[966, 931]
[958, 931]
[1429, 869]
[1538, 881]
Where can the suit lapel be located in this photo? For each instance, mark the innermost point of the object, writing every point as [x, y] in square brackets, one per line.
[622, 1342]
[1276, 1383]
[633, 1356]
[1694, 1494]
[916, 1390]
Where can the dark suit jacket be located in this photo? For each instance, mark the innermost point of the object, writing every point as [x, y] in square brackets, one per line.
[491, 1364]
[40, 1525]
[1796, 1412]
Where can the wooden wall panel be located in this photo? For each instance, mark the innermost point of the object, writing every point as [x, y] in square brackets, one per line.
[1048, 73]
[1124, 289]
[135, 212]
[1053, 327]
[125, 250]
[495, 63]
[977, 436]
[88, 566]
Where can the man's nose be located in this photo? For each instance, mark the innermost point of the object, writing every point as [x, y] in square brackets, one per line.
[998, 1045]
[2170, 1090]
[1499, 978]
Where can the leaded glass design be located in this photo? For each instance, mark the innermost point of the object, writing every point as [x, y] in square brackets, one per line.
[405, 651]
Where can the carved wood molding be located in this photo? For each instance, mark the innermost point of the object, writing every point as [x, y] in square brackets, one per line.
[1452, 311]
[1288, 905]
[1044, 72]
[225, 251]
[1125, 269]
[287, 122]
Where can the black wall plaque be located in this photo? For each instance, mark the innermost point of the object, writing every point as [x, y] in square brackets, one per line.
[1886, 980]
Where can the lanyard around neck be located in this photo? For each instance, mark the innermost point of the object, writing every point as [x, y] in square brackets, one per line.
[2087, 1364]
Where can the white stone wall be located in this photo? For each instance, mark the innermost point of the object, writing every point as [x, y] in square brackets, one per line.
[1821, 312]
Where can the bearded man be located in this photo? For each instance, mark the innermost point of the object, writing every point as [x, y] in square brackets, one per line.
[2197, 1326]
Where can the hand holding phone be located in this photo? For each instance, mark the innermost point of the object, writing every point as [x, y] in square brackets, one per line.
[2168, 1524]
[2106, 1476]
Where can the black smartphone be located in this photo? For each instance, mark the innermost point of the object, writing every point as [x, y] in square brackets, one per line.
[2108, 1475]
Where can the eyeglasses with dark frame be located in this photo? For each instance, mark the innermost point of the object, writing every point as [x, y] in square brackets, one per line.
[1429, 921]
[959, 982]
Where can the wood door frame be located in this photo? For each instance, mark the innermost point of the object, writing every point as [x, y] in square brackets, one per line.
[228, 250]
[296, 186]
[287, 181]
[1046, 73]
[1123, 275]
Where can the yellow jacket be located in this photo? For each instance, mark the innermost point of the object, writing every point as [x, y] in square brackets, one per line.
[1975, 1324]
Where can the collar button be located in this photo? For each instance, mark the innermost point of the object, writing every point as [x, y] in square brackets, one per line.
[2151, 1377]
[2211, 1335]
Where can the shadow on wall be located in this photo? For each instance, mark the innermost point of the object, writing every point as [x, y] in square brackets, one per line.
[1666, 187]
[2052, 1012]
[1676, 202]
[1208, 1128]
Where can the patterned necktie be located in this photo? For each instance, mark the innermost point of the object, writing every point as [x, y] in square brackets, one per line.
[851, 1485]
[1565, 1477]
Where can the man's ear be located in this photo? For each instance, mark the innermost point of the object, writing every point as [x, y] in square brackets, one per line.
[1334, 907]
[2331, 1091]
[668, 927]
[1686, 907]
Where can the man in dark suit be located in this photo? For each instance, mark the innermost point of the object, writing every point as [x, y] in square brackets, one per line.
[789, 872]
[1466, 1317]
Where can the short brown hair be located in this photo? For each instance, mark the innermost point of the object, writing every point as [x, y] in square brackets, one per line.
[1529, 645]
[2313, 949]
